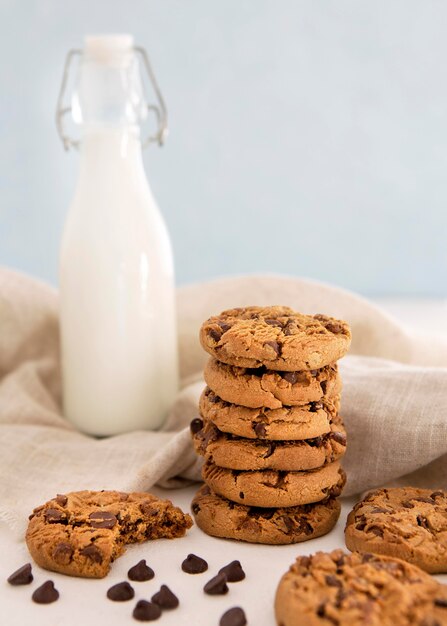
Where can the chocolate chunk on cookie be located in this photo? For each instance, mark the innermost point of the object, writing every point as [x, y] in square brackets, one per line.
[404, 522]
[265, 388]
[286, 423]
[270, 488]
[276, 336]
[356, 589]
[83, 533]
[220, 517]
[237, 453]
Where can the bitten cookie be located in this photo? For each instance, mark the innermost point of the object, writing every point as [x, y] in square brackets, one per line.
[275, 336]
[264, 388]
[286, 423]
[356, 589]
[83, 532]
[271, 489]
[404, 522]
[220, 517]
[238, 453]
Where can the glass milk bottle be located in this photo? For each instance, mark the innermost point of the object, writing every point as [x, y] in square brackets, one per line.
[117, 299]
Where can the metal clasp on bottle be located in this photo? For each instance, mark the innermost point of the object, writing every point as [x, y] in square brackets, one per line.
[158, 109]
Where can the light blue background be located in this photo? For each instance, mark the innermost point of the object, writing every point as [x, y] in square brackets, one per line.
[307, 137]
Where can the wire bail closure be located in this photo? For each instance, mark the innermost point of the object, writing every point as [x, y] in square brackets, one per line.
[158, 109]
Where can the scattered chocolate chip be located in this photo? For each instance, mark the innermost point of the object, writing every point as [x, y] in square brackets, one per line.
[195, 508]
[196, 425]
[147, 508]
[339, 438]
[441, 602]
[424, 499]
[334, 327]
[194, 564]
[215, 334]
[437, 494]
[270, 450]
[102, 519]
[46, 593]
[360, 525]
[141, 572]
[376, 530]
[145, 611]
[290, 377]
[233, 571]
[275, 345]
[63, 553]
[241, 495]
[323, 386]
[378, 509]
[321, 610]
[315, 406]
[259, 429]
[333, 581]
[61, 499]
[165, 598]
[315, 441]
[423, 522]
[54, 516]
[217, 586]
[257, 511]
[233, 617]
[121, 592]
[92, 552]
[224, 326]
[407, 504]
[22, 576]
[367, 557]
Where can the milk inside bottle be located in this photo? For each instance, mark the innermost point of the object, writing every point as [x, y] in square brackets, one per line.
[117, 300]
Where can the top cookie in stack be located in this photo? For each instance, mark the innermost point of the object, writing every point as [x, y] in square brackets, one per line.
[271, 434]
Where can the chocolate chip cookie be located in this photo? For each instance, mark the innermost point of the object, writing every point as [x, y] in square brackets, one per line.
[270, 488]
[220, 517]
[238, 453]
[275, 336]
[356, 589]
[265, 388]
[83, 532]
[286, 423]
[404, 522]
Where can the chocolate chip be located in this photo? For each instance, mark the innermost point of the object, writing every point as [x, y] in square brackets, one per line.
[315, 441]
[145, 611]
[215, 334]
[217, 586]
[46, 593]
[255, 511]
[407, 504]
[195, 508]
[61, 499]
[21, 576]
[102, 519]
[321, 610]
[272, 322]
[376, 530]
[423, 522]
[241, 495]
[62, 553]
[334, 327]
[378, 509]
[333, 581]
[360, 525]
[224, 326]
[424, 499]
[121, 592]
[194, 564]
[315, 406]
[165, 598]
[367, 557]
[323, 386]
[275, 345]
[233, 571]
[148, 509]
[339, 438]
[441, 602]
[92, 552]
[141, 572]
[259, 429]
[437, 494]
[290, 377]
[233, 617]
[196, 425]
[54, 516]
[270, 450]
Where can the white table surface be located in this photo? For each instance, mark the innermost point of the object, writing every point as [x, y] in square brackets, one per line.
[83, 602]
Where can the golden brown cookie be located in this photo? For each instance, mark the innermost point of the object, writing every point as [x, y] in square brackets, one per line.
[286, 423]
[83, 532]
[264, 388]
[404, 522]
[275, 336]
[355, 590]
[238, 453]
[220, 517]
[269, 488]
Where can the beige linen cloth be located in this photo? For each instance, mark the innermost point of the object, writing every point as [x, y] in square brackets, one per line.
[394, 400]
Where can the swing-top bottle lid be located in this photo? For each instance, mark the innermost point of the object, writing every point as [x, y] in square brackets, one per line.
[108, 48]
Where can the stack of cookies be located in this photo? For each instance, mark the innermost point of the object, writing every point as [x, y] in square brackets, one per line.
[270, 430]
